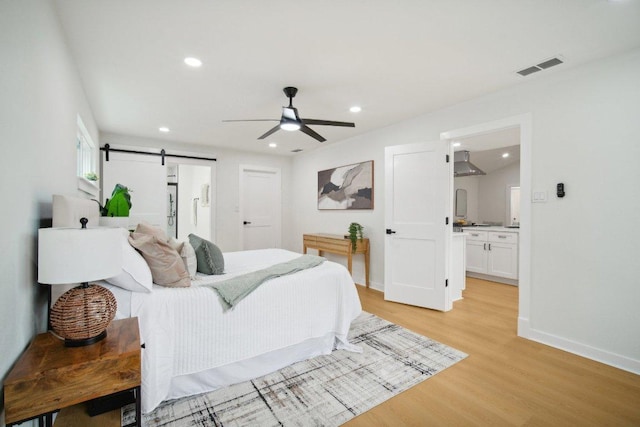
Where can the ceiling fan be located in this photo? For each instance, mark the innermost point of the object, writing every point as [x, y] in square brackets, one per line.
[291, 121]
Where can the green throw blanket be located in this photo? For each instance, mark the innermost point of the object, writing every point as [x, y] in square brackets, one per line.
[233, 290]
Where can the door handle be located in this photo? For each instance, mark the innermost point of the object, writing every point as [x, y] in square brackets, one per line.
[246, 222]
[489, 246]
[485, 246]
[390, 231]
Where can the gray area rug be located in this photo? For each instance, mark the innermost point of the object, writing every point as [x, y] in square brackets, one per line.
[324, 391]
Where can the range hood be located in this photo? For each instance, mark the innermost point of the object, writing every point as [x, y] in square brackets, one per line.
[463, 167]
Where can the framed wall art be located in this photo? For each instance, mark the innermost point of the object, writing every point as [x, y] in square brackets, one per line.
[346, 187]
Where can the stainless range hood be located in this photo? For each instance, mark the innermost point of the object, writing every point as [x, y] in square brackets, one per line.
[463, 167]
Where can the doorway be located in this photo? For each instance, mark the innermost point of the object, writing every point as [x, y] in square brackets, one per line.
[189, 201]
[523, 123]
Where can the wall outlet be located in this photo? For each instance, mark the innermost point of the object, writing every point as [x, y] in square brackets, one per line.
[539, 197]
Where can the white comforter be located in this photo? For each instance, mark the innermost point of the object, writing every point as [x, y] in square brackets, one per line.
[185, 330]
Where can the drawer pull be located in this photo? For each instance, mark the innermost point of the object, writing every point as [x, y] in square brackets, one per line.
[474, 234]
[502, 237]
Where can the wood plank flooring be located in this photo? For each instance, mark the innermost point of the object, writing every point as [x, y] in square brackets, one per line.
[506, 380]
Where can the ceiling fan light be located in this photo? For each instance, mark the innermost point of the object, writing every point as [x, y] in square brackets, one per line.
[290, 126]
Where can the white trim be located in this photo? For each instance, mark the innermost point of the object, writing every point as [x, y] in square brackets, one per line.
[606, 357]
[377, 286]
[278, 203]
[89, 187]
[506, 281]
[522, 121]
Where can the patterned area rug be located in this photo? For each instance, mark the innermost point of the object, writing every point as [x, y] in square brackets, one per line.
[324, 391]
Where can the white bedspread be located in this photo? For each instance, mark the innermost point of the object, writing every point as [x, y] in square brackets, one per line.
[185, 330]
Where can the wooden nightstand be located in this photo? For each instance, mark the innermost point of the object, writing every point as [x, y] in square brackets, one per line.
[49, 376]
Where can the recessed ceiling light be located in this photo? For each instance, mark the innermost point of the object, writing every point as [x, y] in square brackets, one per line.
[164, 129]
[192, 62]
[355, 109]
[273, 145]
[505, 155]
[457, 144]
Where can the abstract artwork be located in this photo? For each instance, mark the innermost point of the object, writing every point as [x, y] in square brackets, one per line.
[346, 187]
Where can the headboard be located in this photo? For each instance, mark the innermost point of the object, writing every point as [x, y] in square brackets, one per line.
[67, 211]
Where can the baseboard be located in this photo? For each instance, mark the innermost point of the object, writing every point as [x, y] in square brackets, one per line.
[512, 282]
[374, 285]
[602, 356]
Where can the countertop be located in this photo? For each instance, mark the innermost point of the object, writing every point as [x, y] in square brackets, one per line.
[491, 228]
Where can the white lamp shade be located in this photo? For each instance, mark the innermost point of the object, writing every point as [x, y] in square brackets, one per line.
[74, 255]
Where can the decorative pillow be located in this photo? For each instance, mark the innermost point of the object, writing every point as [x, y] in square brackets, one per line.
[152, 230]
[135, 275]
[167, 268]
[209, 256]
[188, 255]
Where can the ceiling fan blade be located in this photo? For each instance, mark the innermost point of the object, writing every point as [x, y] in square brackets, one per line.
[313, 134]
[270, 132]
[328, 123]
[253, 120]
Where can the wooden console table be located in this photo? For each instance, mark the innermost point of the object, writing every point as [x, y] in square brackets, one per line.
[336, 244]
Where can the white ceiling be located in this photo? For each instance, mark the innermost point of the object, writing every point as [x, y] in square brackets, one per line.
[396, 59]
[486, 149]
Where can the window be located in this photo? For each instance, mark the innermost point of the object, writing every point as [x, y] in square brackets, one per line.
[86, 161]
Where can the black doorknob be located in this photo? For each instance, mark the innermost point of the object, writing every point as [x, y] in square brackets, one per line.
[246, 222]
[390, 231]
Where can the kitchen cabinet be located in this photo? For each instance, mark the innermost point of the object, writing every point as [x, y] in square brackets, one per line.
[492, 253]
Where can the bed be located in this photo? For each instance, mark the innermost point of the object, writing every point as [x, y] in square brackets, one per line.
[192, 345]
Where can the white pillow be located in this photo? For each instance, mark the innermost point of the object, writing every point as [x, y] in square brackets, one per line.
[135, 275]
[188, 255]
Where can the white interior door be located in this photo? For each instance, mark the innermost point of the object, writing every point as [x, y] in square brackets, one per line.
[260, 207]
[146, 178]
[417, 205]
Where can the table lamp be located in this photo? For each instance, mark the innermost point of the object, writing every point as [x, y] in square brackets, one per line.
[78, 255]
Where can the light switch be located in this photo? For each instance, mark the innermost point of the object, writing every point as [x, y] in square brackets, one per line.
[539, 197]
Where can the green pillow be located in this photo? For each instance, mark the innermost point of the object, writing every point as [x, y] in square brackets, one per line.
[208, 255]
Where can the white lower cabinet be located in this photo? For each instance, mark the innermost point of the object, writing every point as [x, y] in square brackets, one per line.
[493, 253]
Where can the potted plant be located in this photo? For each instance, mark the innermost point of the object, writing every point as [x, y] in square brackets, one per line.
[120, 202]
[355, 234]
[115, 211]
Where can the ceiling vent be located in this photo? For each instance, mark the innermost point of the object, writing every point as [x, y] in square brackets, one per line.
[541, 66]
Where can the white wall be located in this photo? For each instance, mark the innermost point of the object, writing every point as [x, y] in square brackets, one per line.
[227, 219]
[584, 288]
[40, 97]
[492, 193]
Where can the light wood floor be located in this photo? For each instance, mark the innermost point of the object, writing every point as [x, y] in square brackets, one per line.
[505, 380]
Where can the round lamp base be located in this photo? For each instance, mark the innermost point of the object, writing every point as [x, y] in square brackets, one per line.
[82, 314]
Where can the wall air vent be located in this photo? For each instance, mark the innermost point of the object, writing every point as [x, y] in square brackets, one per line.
[541, 66]
[297, 150]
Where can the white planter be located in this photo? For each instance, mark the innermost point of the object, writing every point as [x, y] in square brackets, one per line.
[114, 221]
